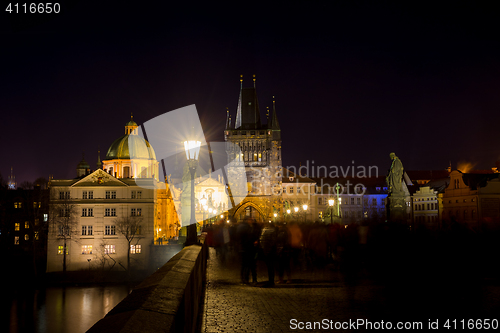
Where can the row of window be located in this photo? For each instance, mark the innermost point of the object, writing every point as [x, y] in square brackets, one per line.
[464, 200]
[26, 238]
[90, 195]
[425, 199]
[89, 212]
[430, 206]
[351, 201]
[109, 230]
[108, 249]
[290, 189]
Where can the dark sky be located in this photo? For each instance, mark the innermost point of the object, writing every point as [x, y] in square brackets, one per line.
[352, 82]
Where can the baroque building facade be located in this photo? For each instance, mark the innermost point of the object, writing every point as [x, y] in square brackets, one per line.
[104, 218]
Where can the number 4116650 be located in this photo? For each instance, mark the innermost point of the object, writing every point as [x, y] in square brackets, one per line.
[34, 8]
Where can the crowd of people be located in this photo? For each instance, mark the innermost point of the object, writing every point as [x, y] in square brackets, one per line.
[283, 247]
[381, 248]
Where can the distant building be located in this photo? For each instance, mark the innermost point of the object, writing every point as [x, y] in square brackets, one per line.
[23, 228]
[90, 213]
[11, 185]
[472, 198]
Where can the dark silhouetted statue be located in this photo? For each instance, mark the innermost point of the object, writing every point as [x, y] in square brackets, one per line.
[395, 176]
[396, 203]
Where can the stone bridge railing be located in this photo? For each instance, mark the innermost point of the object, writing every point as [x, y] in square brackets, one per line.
[167, 301]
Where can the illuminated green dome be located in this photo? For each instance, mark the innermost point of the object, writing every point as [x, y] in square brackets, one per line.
[123, 146]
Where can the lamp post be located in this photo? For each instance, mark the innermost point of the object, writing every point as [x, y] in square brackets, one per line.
[275, 215]
[203, 202]
[296, 210]
[192, 149]
[304, 207]
[331, 202]
[337, 189]
[288, 211]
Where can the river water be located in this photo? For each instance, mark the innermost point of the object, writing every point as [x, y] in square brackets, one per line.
[58, 309]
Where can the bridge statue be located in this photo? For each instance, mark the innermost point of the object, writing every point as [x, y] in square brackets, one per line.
[396, 191]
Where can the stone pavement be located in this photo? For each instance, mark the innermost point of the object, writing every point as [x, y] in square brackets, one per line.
[329, 294]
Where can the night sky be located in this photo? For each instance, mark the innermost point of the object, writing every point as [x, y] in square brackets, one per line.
[351, 82]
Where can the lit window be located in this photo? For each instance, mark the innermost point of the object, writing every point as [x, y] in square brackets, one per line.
[26, 225]
[60, 249]
[135, 249]
[110, 230]
[16, 240]
[45, 217]
[138, 231]
[139, 211]
[86, 249]
[109, 249]
[18, 204]
[17, 226]
[36, 235]
[26, 237]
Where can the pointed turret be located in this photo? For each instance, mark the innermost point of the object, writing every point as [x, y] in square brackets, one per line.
[273, 124]
[99, 163]
[228, 120]
[248, 113]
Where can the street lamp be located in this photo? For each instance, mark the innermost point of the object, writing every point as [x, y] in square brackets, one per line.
[288, 211]
[331, 202]
[203, 202]
[192, 149]
[304, 207]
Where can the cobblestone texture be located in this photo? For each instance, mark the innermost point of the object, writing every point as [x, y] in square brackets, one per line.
[231, 306]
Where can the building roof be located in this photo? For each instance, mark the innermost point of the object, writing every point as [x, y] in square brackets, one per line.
[248, 113]
[426, 175]
[475, 180]
[130, 146]
[291, 177]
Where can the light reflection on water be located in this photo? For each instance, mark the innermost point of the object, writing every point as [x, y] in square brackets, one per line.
[62, 309]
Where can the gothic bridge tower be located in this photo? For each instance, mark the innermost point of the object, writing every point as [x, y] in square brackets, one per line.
[260, 153]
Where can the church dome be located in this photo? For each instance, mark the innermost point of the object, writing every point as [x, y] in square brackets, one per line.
[124, 145]
[83, 165]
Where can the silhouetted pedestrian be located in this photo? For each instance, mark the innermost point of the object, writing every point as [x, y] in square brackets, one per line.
[268, 247]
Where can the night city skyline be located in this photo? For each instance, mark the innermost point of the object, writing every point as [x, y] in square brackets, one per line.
[351, 83]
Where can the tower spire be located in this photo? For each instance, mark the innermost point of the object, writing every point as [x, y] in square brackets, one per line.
[228, 119]
[254, 80]
[99, 163]
[11, 185]
[274, 124]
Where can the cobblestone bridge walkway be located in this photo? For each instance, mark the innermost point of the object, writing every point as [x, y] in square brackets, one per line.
[328, 296]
